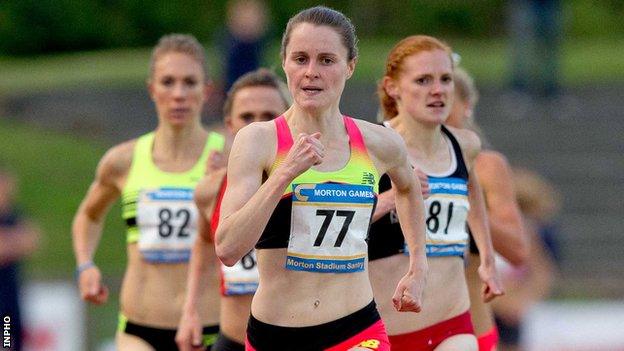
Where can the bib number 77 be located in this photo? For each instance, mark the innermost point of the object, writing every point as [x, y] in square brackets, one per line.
[329, 215]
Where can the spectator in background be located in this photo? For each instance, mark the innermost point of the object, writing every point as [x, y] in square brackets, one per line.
[535, 33]
[244, 39]
[18, 239]
[530, 283]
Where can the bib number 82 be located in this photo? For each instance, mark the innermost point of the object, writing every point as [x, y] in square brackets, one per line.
[166, 228]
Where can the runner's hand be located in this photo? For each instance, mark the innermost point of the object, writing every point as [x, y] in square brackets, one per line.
[408, 294]
[91, 287]
[307, 151]
[216, 160]
[492, 286]
[189, 336]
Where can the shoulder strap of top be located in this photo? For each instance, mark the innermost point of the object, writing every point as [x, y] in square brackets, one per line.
[355, 135]
[461, 164]
[215, 141]
[284, 141]
[284, 138]
[144, 145]
[142, 155]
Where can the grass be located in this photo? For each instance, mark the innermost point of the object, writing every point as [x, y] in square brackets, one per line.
[582, 62]
[54, 172]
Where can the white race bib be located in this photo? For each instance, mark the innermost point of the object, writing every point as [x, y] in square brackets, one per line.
[241, 278]
[329, 225]
[167, 224]
[445, 218]
[446, 212]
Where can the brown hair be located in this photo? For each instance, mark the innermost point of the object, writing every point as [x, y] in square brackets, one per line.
[180, 43]
[324, 16]
[261, 77]
[394, 63]
[467, 91]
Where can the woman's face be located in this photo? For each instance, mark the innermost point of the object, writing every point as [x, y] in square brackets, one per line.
[424, 89]
[178, 88]
[254, 104]
[317, 66]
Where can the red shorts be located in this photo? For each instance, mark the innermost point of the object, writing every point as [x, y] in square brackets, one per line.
[429, 338]
[489, 340]
[373, 338]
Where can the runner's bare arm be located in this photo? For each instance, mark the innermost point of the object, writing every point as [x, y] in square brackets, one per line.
[248, 203]
[88, 221]
[105, 189]
[477, 216]
[505, 220]
[390, 156]
[385, 204]
[190, 328]
[385, 200]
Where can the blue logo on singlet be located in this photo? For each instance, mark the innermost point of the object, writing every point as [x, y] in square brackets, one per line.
[333, 192]
[167, 256]
[325, 265]
[240, 288]
[171, 194]
[453, 186]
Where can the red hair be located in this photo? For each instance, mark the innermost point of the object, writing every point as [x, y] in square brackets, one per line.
[394, 63]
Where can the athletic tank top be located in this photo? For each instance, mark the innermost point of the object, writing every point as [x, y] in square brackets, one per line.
[323, 218]
[158, 206]
[445, 218]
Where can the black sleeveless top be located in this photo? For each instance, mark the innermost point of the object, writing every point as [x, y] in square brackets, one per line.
[385, 237]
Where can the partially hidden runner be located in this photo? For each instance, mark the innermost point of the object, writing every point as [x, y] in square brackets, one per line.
[254, 97]
[504, 218]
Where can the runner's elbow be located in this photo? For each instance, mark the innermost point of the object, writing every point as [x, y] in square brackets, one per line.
[227, 255]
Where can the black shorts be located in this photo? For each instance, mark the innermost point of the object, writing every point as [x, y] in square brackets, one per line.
[268, 337]
[509, 334]
[164, 339]
[224, 343]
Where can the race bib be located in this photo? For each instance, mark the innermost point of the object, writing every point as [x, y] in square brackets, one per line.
[329, 226]
[241, 278]
[446, 212]
[167, 224]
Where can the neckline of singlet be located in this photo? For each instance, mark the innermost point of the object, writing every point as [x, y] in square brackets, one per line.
[281, 120]
[192, 169]
[452, 167]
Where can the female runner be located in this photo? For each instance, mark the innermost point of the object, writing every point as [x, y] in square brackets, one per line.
[155, 176]
[256, 96]
[302, 189]
[416, 95]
